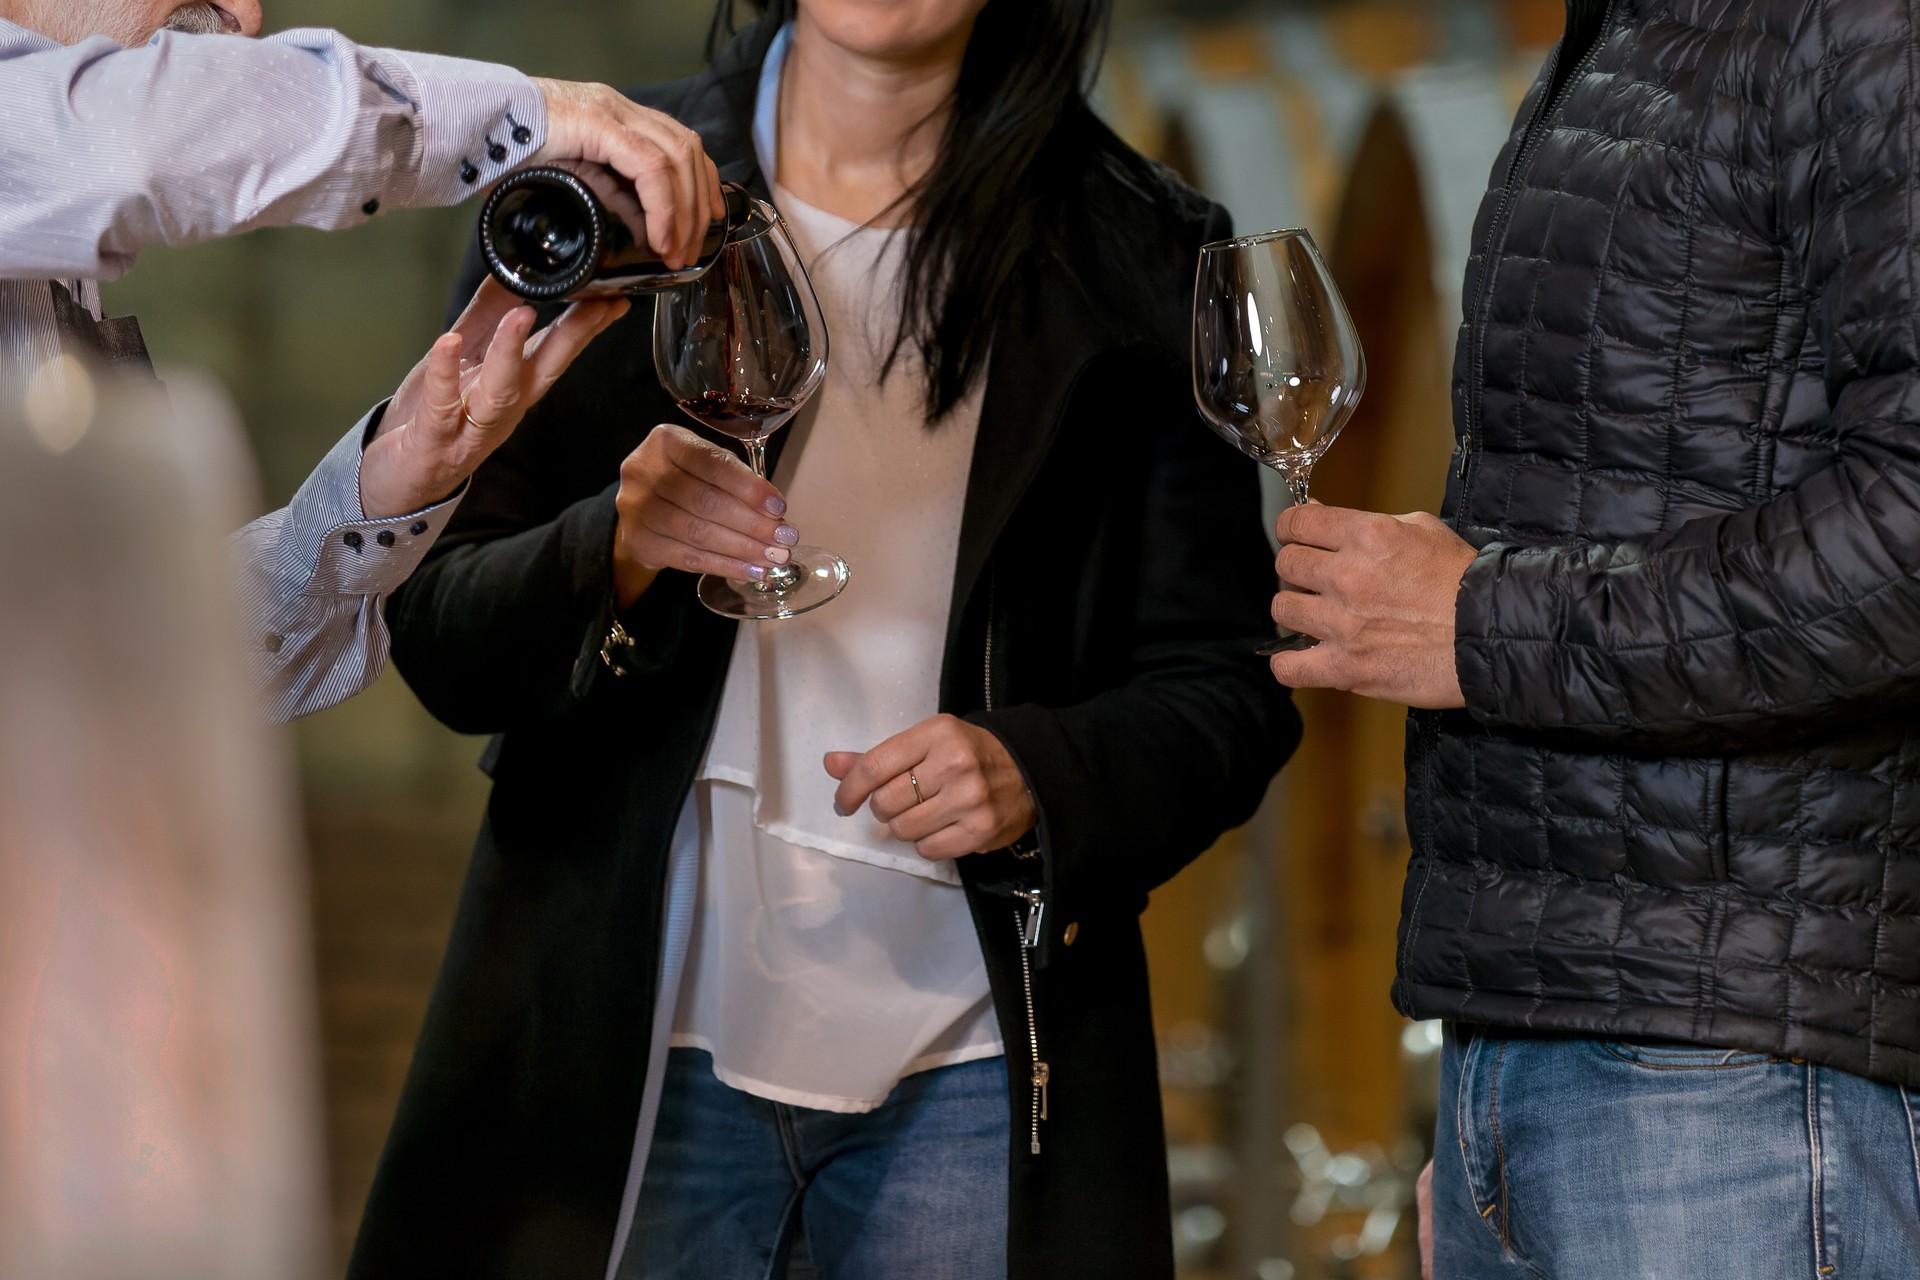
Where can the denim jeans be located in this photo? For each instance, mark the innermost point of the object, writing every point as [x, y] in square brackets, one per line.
[1611, 1160]
[917, 1188]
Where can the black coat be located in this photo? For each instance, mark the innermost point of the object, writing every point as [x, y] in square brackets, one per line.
[1684, 800]
[1112, 550]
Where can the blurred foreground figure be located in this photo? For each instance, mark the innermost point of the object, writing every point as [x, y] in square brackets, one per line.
[158, 1112]
[1665, 882]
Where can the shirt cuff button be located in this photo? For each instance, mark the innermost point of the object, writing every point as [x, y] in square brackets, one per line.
[272, 643]
[352, 539]
[384, 537]
[468, 174]
[419, 527]
[496, 153]
[522, 135]
[370, 208]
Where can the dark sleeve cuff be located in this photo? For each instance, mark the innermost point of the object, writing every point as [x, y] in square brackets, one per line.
[655, 626]
[1473, 627]
[1032, 736]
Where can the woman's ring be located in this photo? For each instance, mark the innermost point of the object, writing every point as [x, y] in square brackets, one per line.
[915, 784]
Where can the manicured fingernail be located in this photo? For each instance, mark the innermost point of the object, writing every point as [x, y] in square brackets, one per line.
[779, 555]
[786, 535]
[755, 572]
[837, 809]
[776, 506]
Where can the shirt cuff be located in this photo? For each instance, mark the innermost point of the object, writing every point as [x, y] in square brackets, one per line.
[344, 553]
[475, 121]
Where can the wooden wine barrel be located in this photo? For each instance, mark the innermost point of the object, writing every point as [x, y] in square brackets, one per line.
[1400, 242]
[1374, 125]
[1265, 114]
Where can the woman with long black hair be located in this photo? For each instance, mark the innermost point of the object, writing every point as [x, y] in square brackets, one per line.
[818, 938]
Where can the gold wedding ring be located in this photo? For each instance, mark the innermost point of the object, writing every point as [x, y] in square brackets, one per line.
[472, 421]
[915, 784]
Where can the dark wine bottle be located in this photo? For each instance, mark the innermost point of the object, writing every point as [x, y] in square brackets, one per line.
[576, 230]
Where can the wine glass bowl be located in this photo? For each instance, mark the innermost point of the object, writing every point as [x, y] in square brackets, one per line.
[1277, 365]
[741, 350]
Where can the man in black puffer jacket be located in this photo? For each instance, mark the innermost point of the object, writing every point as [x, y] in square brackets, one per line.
[1665, 793]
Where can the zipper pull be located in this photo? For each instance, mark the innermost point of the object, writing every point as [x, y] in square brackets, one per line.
[1036, 900]
[1042, 1075]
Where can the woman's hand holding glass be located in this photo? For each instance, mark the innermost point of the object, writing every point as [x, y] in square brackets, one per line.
[686, 503]
[946, 787]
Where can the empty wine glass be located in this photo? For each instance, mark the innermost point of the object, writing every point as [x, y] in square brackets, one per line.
[1277, 364]
[741, 349]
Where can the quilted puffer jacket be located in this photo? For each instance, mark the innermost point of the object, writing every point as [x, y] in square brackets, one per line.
[1684, 799]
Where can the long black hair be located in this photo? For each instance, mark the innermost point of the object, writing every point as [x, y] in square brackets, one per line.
[983, 204]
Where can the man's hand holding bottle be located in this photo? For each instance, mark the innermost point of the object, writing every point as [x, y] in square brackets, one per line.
[678, 185]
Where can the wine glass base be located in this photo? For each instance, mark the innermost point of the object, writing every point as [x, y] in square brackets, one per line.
[1288, 642]
[819, 576]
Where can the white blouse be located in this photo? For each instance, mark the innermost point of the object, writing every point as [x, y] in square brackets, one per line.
[827, 959]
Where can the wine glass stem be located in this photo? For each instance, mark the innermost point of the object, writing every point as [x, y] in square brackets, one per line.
[783, 577]
[1296, 482]
[1297, 486]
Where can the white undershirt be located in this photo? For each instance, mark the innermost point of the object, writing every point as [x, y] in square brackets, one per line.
[827, 959]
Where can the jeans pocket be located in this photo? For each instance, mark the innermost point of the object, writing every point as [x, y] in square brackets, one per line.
[1477, 1123]
[1494, 1070]
[1657, 1055]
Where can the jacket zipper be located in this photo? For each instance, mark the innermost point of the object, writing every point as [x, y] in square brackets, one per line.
[1026, 924]
[1497, 229]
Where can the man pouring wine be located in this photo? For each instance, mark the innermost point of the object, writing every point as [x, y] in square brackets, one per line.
[129, 124]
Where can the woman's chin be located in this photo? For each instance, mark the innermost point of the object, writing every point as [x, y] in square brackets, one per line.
[894, 30]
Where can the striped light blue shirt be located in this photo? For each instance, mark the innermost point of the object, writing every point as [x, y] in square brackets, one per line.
[189, 138]
[313, 578]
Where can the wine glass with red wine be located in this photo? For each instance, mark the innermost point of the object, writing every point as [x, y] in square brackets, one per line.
[741, 349]
[1277, 364]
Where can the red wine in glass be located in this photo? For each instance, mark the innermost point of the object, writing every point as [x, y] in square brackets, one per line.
[744, 417]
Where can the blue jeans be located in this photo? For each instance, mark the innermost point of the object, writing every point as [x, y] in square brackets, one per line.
[1610, 1160]
[917, 1188]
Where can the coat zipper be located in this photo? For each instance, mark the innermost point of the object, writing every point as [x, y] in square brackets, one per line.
[1497, 229]
[1026, 926]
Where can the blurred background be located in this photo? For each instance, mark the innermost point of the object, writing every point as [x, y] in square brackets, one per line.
[1299, 1104]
